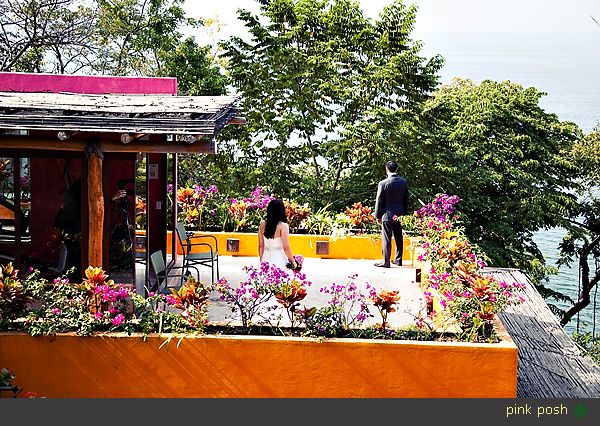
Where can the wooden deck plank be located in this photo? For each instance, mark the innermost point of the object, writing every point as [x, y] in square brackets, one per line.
[550, 363]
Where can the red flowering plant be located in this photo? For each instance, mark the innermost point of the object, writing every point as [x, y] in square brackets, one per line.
[192, 300]
[237, 211]
[361, 217]
[186, 202]
[14, 296]
[289, 292]
[385, 302]
[140, 212]
[197, 205]
[246, 213]
[468, 297]
[109, 303]
[297, 215]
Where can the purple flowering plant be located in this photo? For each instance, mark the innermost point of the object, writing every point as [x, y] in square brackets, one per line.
[196, 204]
[346, 310]
[251, 295]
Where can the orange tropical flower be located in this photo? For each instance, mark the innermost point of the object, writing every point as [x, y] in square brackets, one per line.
[185, 195]
[8, 272]
[360, 215]
[481, 286]
[290, 293]
[95, 277]
[386, 300]
[487, 312]
[191, 293]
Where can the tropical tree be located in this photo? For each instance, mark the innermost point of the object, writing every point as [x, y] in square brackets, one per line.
[315, 76]
[581, 244]
[509, 161]
[46, 35]
[116, 37]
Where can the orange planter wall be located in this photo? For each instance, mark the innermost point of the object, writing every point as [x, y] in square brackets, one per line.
[354, 247]
[251, 366]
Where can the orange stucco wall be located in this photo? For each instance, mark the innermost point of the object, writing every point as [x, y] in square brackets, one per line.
[251, 366]
[354, 247]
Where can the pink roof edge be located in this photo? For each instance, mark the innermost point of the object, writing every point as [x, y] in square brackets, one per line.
[86, 84]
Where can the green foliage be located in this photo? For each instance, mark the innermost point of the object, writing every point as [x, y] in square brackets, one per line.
[315, 77]
[324, 322]
[196, 74]
[136, 34]
[116, 37]
[589, 344]
[153, 317]
[587, 154]
[508, 160]
[63, 308]
[407, 332]
[46, 36]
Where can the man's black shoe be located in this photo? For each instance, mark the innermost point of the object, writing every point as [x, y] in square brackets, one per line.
[397, 263]
[382, 265]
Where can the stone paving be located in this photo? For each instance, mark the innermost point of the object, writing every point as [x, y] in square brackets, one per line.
[323, 272]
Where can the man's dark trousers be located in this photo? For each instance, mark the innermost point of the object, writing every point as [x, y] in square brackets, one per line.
[387, 229]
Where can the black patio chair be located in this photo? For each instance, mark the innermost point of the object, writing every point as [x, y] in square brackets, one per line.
[166, 277]
[208, 257]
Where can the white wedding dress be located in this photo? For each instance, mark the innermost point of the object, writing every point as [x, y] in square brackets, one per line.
[274, 253]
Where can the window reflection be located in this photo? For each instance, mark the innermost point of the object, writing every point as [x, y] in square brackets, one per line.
[15, 206]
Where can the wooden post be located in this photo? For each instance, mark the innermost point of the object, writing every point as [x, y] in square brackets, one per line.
[18, 213]
[95, 206]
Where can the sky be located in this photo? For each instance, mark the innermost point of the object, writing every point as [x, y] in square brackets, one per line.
[450, 15]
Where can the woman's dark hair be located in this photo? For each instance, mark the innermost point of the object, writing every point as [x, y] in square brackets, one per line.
[275, 214]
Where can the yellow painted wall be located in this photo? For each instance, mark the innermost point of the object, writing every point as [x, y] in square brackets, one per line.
[250, 366]
[353, 247]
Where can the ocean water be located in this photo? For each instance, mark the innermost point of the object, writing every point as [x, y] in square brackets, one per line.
[566, 66]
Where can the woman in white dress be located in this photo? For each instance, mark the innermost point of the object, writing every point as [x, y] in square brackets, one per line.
[273, 237]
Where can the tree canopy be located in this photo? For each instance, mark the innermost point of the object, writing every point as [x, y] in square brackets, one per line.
[508, 159]
[315, 76]
[114, 37]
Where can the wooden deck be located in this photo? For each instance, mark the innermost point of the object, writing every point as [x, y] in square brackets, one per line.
[550, 363]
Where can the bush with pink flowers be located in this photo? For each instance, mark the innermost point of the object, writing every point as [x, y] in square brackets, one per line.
[468, 297]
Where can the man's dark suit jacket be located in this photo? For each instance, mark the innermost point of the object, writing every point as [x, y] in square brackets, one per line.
[392, 198]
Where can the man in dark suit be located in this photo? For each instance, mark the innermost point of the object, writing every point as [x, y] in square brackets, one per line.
[391, 202]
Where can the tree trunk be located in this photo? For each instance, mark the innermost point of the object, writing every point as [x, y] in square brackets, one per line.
[586, 284]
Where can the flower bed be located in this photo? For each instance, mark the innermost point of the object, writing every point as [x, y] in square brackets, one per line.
[209, 366]
[314, 348]
[206, 209]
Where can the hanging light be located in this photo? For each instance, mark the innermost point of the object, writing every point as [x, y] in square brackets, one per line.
[130, 137]
[63, 135]
[189, 139]
[126, 137]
